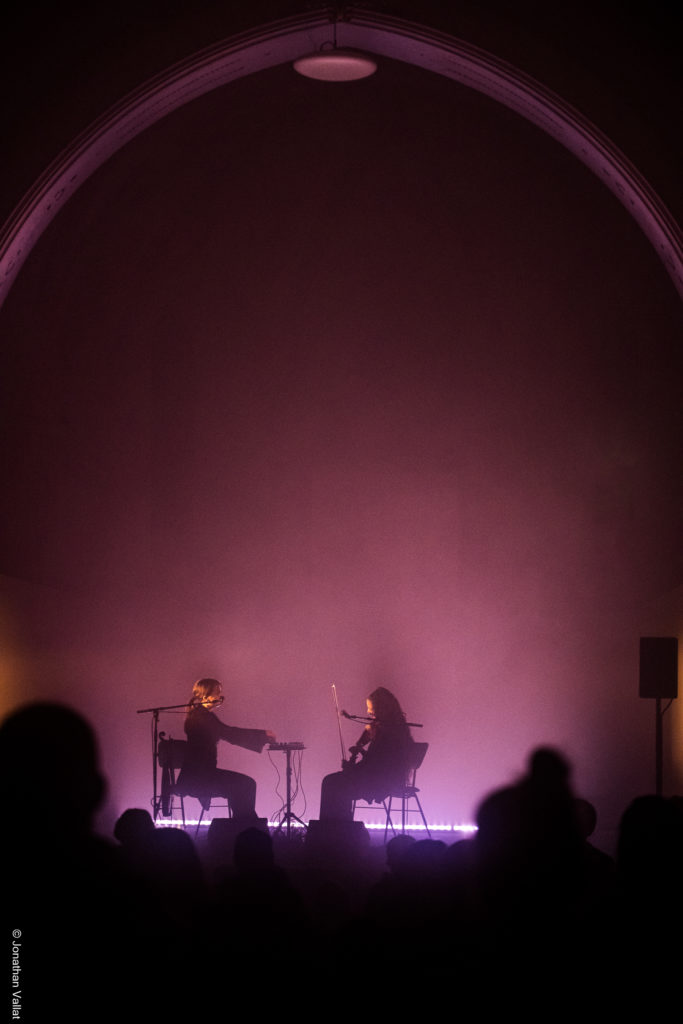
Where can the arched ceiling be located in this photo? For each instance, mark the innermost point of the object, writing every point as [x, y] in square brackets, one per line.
[283, 42]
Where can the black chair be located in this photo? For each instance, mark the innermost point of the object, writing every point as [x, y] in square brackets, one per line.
[406, 794]
[171, 757]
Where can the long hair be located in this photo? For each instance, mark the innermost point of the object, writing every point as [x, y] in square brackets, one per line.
[387, 709]
[202, 690]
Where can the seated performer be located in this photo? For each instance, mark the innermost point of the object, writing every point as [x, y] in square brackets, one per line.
[199, 776]
[387, 743]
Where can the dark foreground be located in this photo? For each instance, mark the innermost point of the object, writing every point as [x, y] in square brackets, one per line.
[151, 926]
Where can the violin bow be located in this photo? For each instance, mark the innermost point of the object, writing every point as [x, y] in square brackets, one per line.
[336, 708]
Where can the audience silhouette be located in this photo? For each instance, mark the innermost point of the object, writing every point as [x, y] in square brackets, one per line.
[528, 905]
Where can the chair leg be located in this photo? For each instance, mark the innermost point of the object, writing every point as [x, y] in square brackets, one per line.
[182, 809]
[424, 820]
[389, 820]
[201, 815]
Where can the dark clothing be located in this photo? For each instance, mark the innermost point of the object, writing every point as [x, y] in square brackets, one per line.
[382, 771]
[199, 775]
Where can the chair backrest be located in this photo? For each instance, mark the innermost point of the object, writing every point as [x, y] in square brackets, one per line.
[171, 753]
[417, 756]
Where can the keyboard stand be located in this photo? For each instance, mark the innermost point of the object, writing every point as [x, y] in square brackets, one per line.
[288, 817]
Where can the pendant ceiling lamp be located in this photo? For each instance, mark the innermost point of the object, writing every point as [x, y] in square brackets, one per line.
[335, 64]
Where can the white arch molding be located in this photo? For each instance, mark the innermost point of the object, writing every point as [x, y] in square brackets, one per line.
[282, 42]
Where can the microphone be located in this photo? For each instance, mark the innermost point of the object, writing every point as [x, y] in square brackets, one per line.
[356, 718]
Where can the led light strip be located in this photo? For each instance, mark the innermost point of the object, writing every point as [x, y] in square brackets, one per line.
[375, 825]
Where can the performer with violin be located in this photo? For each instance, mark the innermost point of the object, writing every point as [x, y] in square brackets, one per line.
[379, 760]
[199, 775]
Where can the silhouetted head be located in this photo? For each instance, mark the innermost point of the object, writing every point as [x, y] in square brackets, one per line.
[134, 827]
[499, 826]
[206, 693]
[176, 861]
[548, 767]
[549, 816]
[385, 707]
[49, 768]
[398, 849]
[428, 857]
[254, 851]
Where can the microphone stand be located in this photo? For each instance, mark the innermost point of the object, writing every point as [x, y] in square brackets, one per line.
[156, 799]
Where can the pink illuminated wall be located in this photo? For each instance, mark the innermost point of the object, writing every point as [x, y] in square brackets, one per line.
[365, 385]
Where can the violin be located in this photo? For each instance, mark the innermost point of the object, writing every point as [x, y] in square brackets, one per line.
[364, 740]
[357, 751]
[370, 731]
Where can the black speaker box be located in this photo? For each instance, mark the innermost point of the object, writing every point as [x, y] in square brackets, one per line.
[337, 836]
[659, 666]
